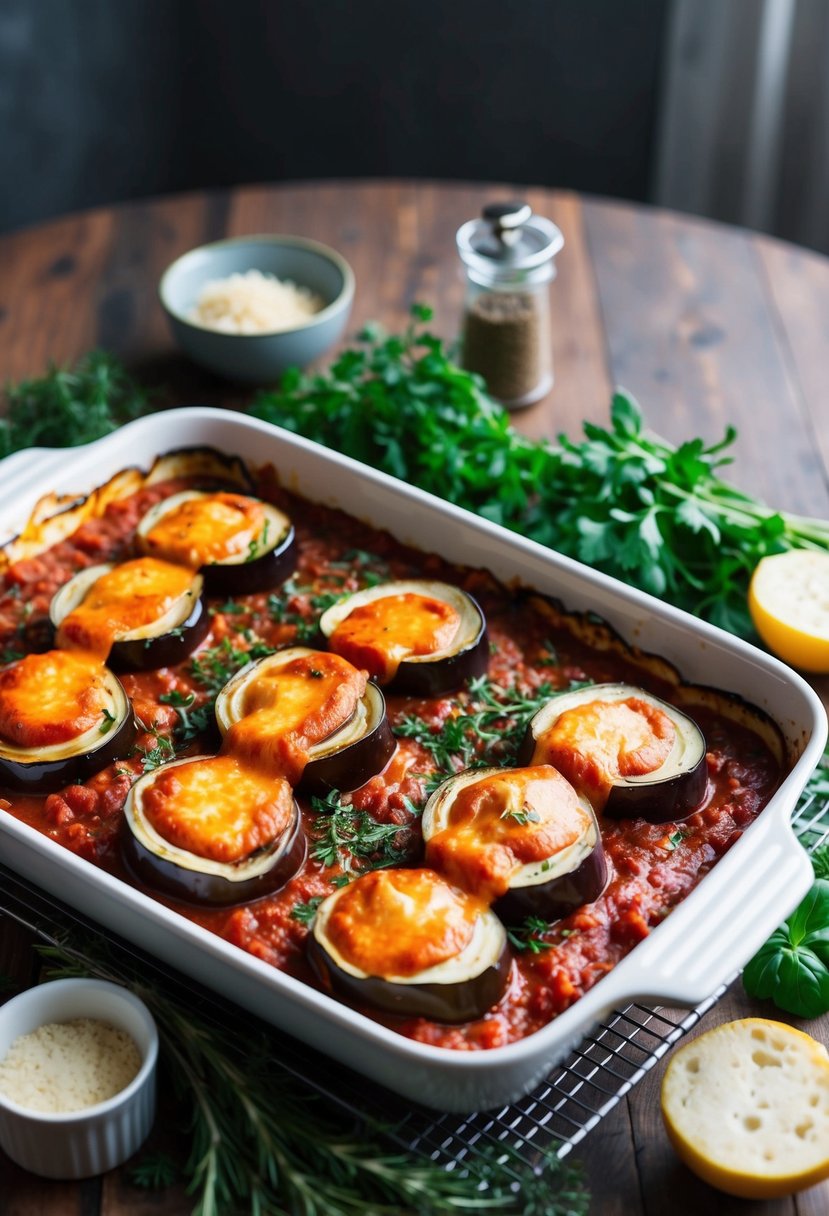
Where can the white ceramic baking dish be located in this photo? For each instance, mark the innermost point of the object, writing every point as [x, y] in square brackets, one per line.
[711, 934]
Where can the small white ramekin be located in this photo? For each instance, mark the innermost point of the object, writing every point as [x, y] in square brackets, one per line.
[82, 1143]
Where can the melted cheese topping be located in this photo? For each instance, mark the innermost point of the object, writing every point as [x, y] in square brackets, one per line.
[378, 635]
[290, 708]
[207, 529]
[127, 598]
[401, 922]
[599, 742]
[51, 698]
[218, 808]
[503, 822]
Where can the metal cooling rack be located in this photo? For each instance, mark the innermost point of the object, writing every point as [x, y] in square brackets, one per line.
[560, 1112]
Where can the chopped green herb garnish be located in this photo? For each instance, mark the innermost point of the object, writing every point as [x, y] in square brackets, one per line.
[529, 937]
[306, 912]
[229, 608]
[214, 667]
[345, 836]
[523, 815]
[191, 722]
[160, 753]
[107, 723]
[486, 729]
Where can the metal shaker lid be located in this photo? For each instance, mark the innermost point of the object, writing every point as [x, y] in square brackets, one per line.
[509, 243]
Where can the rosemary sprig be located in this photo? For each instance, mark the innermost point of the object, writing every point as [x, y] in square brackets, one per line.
[260, 1143]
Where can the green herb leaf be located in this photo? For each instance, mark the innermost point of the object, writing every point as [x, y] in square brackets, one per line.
[66, 406]
[259, 1142]
[154, 1172]
[792, 968]
[351, 839]
[529, 937]
[487, 728]
[306, 912]
[820, 861]
[622, 500]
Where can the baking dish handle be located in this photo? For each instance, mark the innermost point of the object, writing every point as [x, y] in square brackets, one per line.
[721, 928]
[20, 464]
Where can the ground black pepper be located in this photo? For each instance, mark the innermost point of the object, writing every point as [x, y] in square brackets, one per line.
[503, 342]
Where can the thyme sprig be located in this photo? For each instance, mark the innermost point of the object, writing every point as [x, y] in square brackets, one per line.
[261, 1143]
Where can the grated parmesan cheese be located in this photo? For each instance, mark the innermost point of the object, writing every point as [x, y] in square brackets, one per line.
[254, 303]
[65, 1066]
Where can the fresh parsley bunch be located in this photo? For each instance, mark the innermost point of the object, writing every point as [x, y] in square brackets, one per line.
[619, 499]
[69, 406]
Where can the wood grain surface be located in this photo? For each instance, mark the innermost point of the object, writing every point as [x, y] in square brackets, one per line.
[705, 325]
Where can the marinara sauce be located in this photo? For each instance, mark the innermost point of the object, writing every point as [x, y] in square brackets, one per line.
[652, 866]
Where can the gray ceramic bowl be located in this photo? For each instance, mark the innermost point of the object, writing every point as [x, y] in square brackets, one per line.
[259, 358]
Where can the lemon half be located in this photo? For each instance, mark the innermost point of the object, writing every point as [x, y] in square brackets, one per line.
[746, 1106]
[788, 599]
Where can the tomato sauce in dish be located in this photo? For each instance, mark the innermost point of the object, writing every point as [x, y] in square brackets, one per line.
[652, 866]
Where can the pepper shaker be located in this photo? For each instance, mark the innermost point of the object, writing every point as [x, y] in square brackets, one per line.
[508, 259]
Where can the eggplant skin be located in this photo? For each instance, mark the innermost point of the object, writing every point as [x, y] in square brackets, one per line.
[246, 578]
[667, 801]
[194, 887]
[148, 654]
[560, 896]
[46, 777]
[351, 767]
[660, 800]
[432, 678]
[454, 1003]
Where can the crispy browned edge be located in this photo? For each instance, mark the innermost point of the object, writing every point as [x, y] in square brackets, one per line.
[56, 517]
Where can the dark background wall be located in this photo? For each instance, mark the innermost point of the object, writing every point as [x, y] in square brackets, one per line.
[102, 100]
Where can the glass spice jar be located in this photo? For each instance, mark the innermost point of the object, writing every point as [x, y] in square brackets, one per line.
[508, 258]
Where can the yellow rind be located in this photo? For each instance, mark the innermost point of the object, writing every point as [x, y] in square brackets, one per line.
[748, 1182]
[773, 578]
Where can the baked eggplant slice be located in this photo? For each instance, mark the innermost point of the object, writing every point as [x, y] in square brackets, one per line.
[632, 754]
[208, 831]
[238, 543]
[522, 837]
[142, 614]
[310, 715]
[414, 636]
[411, 943]
[63, 717]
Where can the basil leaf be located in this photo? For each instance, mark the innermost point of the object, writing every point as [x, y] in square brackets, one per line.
[792, 968]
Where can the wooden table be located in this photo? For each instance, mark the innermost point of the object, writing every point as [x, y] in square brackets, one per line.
[706, 325]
